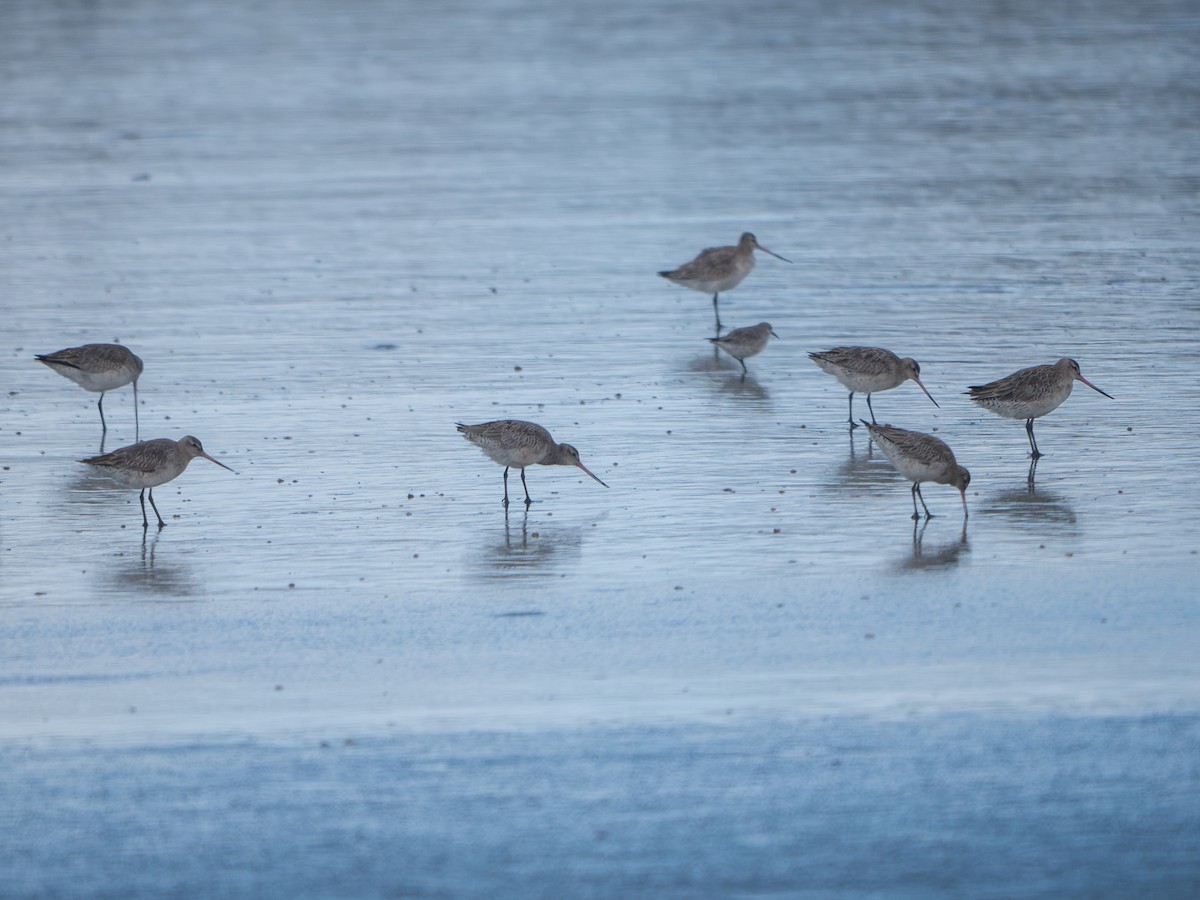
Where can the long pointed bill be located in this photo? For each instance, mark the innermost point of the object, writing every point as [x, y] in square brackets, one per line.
[772, 252]
[1094, 388]
[590, 472]
[927, 394]
[964, 500]
[218, 462]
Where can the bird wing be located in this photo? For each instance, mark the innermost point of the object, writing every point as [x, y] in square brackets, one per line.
[137, 457]
[92, 357]
[860, 360]
[1004, 389]
[915, 444]
[707, 261]
[732, 337]
[505, 432]
[61, 358]
[111, 354]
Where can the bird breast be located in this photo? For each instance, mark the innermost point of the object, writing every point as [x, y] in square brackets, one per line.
[861, 382]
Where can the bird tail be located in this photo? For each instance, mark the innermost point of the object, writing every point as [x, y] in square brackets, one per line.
[50, 361]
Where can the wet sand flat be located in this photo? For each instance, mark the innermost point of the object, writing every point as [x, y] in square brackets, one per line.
[332, 231]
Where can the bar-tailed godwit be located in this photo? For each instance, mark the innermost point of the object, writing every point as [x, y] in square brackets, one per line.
[1031, 393]
[921, 457]
[148, 464]
[98, 367]
[742, 343]
[515, 444]
[719, 269]
[868, 369]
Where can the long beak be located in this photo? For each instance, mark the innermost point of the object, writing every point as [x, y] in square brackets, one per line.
[1094, 388]
[964, 500]
[218, 462]
[773, 334]
[927, 394]
[772, 252]
[590, 472]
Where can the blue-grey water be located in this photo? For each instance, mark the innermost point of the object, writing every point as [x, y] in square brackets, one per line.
[332, 230]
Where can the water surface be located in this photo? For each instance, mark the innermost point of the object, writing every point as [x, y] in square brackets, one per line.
[333, 231]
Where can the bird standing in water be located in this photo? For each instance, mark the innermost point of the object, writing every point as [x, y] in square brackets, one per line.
[99, 368]
[516, 444]
[1031, 393]
[866, 370]
[742, 343]
[719, 269]
[921, 457]
[148, 464]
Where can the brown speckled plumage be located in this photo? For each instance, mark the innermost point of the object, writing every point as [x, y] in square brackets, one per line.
[148, 464]
[98, 368]
[868, 369]
[742, 343]
[921, 457]
[1031, 393]
[719, 269]
[517, 444]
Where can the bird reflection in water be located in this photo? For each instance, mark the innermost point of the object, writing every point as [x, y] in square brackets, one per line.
[934, 556]
[743, 386]
[145, 574]
[709, 364]
[732, 381]
[863, 471]
[530, 552]
[91, 493]
[1031, 504]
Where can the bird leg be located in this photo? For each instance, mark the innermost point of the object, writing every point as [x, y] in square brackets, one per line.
[918, 536]
[137, 427]
[506, 487]
[142, 499]
[916, 492]
[524, 485]
[161, 523]
[873, 422]
[716, 313]
[1032, 442]
[100, 406]
[853, 424]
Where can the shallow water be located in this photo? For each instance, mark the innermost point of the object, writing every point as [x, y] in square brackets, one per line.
[332, 232]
